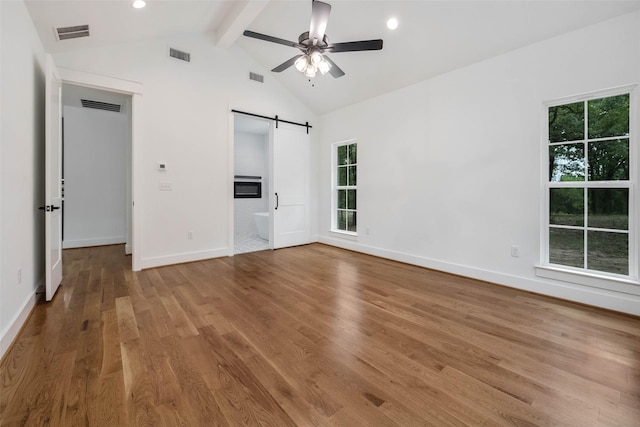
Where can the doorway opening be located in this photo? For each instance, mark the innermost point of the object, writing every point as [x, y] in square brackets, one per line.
[251, 185]
[96, 167]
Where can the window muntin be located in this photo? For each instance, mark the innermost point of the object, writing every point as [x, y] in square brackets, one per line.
[588, 187]
[345, 192]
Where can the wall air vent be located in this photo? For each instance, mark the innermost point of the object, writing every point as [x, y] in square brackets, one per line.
[257, 77]
[116, 108]
[178, 54]
[66, 33]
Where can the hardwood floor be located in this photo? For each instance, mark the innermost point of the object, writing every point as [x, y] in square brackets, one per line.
[312, 335]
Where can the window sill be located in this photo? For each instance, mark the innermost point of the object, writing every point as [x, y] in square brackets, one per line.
[628, 286]
[350, 235]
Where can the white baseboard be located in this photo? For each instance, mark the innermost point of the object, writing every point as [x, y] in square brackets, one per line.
[128, 249]
[13, 328]
[182, 258]
[100, 241]
[610, 300]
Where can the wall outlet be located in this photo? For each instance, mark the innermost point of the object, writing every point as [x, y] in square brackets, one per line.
[515, 251]
[190, 235]
[367, 231]
[19, 276]
[165, 186]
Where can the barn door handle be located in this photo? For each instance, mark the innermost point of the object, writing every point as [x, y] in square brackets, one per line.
[277, 201]
[53, 208]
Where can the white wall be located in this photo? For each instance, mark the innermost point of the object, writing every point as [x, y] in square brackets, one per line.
[21, 169]
[449, 169]
[95, 172]
[186, 119]
[251, 158]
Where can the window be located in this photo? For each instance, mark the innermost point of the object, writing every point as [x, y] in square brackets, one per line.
[345, 191]
[589, 187]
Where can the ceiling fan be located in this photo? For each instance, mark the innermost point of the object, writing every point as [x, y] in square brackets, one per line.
[314, 45]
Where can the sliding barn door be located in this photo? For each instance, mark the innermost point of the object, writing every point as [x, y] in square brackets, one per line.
[291, 187]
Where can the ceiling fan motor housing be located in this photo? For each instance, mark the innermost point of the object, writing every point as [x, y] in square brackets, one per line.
[314, 43]
[307, 42]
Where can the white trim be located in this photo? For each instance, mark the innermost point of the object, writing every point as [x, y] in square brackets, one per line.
[137, 139]
[596, 297]
[10, 333]
[182, 258]
[589, 278]
[345, 234]
[101, 241]
[231, 166]
[98, 81]
[613, 91]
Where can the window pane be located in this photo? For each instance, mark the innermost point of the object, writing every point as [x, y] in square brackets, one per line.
[351, 199]
[608, 252]
[609, 208]
[609, 116]
[353, 158]
[566, 122]
[566, 206]
[342, 155]
[566, 162]
[609, 160]
[342, 175]
[352, 175]
[342, 220]
[351, 221]
[566, 247]
[342, 199]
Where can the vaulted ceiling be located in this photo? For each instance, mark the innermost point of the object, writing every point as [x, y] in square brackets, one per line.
[433, 36]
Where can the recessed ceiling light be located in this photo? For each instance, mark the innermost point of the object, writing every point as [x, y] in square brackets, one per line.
[392, 23]
[139, 4]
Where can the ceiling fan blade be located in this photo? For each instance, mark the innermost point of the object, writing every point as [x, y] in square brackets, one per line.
[288, 63]
[271, 39]
[319, 18]
[355, 46]
[335, 71]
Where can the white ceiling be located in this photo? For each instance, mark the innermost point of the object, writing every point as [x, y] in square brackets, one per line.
[434, 36]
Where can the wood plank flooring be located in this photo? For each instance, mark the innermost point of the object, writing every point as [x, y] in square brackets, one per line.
[312, 336]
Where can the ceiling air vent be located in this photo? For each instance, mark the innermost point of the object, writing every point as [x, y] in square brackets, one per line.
[178, 54]
[66, 33]
[257, 77]
[101, 105]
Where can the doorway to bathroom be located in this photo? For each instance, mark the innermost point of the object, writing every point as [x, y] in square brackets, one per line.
[251, 185]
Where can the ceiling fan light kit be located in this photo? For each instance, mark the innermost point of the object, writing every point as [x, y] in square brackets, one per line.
[314, 44]
[309, 65]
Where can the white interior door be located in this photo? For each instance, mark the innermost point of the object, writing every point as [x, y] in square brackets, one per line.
[53, 179]
[291, 186]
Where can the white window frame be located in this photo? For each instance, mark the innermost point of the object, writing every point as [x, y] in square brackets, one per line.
[335, 188]
[616, 282]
